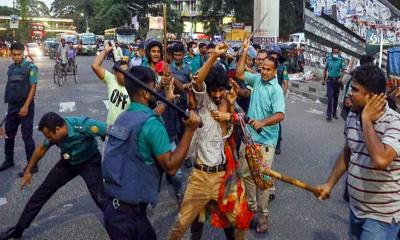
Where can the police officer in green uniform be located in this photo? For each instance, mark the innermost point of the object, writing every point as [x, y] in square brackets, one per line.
[335, 70]
[76, 138]
[19, 94]
[193, 58]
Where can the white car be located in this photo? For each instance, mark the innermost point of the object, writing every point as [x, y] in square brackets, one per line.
[33, 49]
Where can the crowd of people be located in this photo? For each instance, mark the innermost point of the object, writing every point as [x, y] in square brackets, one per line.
[227, 103]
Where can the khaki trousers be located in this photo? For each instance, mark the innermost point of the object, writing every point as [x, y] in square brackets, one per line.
[258, 199]
[201, 188]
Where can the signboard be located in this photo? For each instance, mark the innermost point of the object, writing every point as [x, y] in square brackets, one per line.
[156, 23]
[238, 26]
[13, 21]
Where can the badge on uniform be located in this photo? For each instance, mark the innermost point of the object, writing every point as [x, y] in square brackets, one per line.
[66, 156]
[94, 129]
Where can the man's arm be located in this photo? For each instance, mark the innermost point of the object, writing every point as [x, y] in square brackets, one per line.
[242, 60]
[381, 154]
[37, 155]
[274, 119]
[171, 161]
[98, 61]
[220, 49]
[23, 112]
[337, 172]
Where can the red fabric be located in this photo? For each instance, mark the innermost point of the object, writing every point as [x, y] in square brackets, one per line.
[230, 192]
[159, 67]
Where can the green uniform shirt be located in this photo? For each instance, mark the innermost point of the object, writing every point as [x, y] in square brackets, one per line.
[80, 144]
[334, 66]
[194, 62]
[267, 98]
[153, 138]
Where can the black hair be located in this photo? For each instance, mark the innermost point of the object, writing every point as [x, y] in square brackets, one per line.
[178, 47]
[366, 60]
[119, 63]
[262, 51]
[273, 60]
[256, 46]
[216, 78]
[372, 78]
[211, 45]
[51, 121]
[144, 74]
[202, 44]
[17, 46]
[190, 44]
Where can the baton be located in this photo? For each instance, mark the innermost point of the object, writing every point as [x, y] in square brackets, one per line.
[292, 181]
[259, 25]
[154, 93]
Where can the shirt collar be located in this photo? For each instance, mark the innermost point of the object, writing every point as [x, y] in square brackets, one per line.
[135, 106]
[71, 130]
[271, 82]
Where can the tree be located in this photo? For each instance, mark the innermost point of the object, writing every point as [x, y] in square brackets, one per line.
[290, 17]
[33, 8]
[7, 11]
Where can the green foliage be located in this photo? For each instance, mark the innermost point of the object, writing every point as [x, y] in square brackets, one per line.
[290, 17]
[7, 11]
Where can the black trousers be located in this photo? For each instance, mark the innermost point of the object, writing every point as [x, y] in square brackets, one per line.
[11, 127]
[123, 224]
[333, 89]
[62, 173]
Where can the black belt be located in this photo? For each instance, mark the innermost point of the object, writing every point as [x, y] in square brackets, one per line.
[208, 169]
[118, 204]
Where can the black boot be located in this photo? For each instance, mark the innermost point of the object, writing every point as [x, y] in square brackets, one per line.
[34, 170]
[13, 232]
[6, 164]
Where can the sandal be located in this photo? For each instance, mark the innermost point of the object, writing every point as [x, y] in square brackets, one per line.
[262, 226]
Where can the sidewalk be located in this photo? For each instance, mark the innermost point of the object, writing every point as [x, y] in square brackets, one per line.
[309, 89]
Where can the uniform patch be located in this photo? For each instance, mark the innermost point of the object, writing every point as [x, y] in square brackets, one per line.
[94, 129]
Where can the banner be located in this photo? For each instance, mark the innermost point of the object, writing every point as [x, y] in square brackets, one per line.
[14, 21]
[156, 23]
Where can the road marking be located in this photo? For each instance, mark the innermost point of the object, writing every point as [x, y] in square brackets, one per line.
[107, 104]
[315, 111]
[3, 201]
[67, 107]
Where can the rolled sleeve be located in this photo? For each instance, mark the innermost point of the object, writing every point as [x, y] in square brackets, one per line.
[278, 101]
[251, 78]
[33, 74]
[95, 128]
[156, 137]
[200, 96]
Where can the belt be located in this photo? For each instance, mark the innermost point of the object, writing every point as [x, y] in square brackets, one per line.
[208, 169]
[119, 205]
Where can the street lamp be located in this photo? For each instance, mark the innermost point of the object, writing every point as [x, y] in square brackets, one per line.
[87, 24]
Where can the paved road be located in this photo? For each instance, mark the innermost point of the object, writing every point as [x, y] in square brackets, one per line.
[310, 146]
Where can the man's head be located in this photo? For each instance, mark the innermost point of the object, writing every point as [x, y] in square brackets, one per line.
[63, 41]
[120, 77]
[210, 49]
[192, 48]
[135, 50]
[203, 48]
[71, 46]
[154, 51]
[275, 51]
[269, 68]
[257, 47]
[366, 81]
[17, 52]
[217, 83]
[178, 53]
[335, 52]
[53, 127]
[366, 60]
[135, 91]
[261, 56]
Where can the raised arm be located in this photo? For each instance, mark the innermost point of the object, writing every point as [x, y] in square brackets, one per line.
[98, 61]
[242, 60]
[220, 49]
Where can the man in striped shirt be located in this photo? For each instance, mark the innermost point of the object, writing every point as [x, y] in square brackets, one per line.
[371, 156]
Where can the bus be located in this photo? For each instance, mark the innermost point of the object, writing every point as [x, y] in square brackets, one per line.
[121, 34]
[87, 43]
[69, 37]
[38, 32]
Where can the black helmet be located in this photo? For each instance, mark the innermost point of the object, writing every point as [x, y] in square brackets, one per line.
[150, 43]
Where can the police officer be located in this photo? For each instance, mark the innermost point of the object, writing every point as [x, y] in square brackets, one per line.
[19, 95]
[334, 69]
[137, 148]
[75, 136]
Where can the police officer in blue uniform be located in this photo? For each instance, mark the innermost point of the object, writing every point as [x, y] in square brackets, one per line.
[137, 150]
[19, 95]
[76, 138]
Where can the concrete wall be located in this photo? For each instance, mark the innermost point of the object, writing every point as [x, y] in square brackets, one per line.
[269, 30]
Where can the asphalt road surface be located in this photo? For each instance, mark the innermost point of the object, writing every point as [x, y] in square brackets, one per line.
[309, 149]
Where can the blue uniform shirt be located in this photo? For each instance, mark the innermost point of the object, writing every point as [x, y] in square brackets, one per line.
[267, 98]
